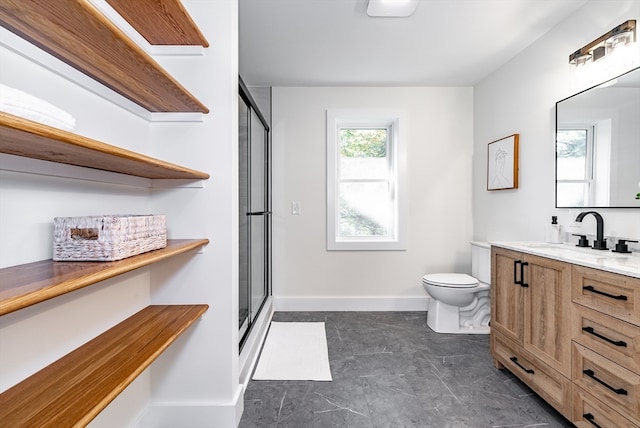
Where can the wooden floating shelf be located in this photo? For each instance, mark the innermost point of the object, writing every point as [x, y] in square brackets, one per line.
[78, 34]
[161, 22]
[74, 389]
[30, 139]
[25, 285]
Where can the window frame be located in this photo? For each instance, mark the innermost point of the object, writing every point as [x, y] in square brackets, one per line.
[588, 181]
[394, 122]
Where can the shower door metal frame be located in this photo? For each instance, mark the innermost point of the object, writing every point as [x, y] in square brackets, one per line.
[265, 212]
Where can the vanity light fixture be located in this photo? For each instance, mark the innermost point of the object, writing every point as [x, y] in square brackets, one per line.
[622, 35]
[392, 8]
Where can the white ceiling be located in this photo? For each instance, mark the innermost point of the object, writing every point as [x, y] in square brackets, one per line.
[335, 43]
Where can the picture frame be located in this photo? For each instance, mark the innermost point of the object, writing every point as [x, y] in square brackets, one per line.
[502, 163]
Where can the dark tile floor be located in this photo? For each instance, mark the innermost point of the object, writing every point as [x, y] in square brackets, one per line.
[390, 370]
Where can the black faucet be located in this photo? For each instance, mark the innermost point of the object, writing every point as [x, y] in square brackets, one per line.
[600, 243]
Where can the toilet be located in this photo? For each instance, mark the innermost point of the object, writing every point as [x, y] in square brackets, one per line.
[460, 303]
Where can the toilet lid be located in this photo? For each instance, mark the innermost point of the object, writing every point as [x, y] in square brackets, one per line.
[454, 280]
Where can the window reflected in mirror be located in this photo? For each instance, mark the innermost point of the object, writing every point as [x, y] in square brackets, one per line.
[575, 166]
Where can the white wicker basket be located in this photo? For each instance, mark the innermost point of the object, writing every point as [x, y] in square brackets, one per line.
[107, 238]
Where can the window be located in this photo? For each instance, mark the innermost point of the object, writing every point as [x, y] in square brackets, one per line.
[364, 181]
[574, 167]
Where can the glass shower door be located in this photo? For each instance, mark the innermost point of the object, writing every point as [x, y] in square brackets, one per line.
[254, 212]
[259, 214]
[243, 157]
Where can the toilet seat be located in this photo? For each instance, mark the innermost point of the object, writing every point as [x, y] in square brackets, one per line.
[451, 280]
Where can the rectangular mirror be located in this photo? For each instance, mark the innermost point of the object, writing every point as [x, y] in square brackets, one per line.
[598, 145]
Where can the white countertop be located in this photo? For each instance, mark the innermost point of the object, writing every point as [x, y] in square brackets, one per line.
[622, 263]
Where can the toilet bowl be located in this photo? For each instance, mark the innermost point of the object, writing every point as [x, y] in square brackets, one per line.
[460, 303]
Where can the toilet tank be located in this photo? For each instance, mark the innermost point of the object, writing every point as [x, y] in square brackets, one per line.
[481, 261]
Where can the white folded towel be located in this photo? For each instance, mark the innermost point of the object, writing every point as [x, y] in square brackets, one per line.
[21, 104]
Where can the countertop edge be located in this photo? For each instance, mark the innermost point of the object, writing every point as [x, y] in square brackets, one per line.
[603, 260]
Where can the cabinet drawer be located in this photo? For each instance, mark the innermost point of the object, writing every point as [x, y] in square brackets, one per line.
[614, 385]
[617, 340]
[548, 383]
[588, 412]
[613, 294]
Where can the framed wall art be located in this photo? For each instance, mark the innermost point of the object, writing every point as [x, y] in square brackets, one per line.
[502, 163]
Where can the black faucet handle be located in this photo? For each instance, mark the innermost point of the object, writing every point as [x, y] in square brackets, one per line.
[600, 244]
[583, 241]
[621, 246]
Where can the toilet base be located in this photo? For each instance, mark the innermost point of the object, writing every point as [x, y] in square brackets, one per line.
[443, 318]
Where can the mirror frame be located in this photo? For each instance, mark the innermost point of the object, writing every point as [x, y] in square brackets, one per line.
[637, 69]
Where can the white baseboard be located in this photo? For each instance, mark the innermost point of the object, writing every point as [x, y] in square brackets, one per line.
[195, 415]
[319, 304]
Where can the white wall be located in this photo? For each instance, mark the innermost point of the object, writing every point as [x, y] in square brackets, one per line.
[195, 382]
[439, 149]
[520, 98]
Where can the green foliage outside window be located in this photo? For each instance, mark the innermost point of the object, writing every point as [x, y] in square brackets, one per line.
[363, 143]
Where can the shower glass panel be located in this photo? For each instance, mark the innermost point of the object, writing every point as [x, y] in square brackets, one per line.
[254, 212]
[259, 213]
[243, 156]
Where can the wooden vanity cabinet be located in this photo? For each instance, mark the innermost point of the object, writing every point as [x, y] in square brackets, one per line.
[572, 333]
[531, 299]
[530, 328]
[605, 349]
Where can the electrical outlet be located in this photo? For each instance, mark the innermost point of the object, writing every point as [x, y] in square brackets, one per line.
[295, 208]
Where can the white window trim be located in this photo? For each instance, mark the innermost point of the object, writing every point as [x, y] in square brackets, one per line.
[362, 117]
[590, 161]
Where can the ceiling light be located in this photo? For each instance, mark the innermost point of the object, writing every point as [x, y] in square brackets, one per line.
[392, 8]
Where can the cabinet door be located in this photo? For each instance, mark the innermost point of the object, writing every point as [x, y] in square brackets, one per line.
[506, 294]
[547, 312]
